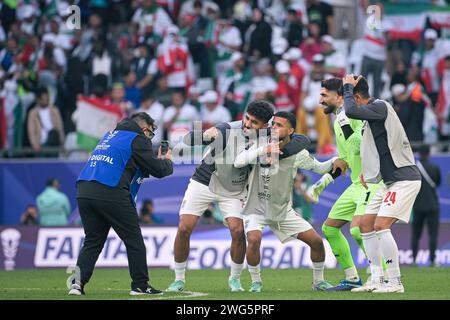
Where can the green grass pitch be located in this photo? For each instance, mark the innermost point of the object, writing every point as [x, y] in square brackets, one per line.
[282, 284]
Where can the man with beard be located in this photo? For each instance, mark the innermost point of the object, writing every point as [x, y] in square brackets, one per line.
[352, 203]
[216, 179]
[269, 198]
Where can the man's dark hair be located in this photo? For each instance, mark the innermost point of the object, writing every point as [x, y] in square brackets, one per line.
[362, 88]
[51, 182]
[179, 91]
[99, 85]
[261, 110]
[147, 202]
[333, 84]
[147, 96]
[41, 91]
[144, 210]
[197, 4]
[289, 116]
[143, 117]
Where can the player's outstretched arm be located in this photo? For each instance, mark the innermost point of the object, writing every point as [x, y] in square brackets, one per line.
[206, 137]
[250, 156]
[338, 166]
[306, 161]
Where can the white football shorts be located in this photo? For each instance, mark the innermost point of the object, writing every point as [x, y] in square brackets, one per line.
[285, 230]
[395, 200]
[198, 197]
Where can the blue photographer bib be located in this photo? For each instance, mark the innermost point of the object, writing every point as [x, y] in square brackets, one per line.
[107, 162]
[136, 184]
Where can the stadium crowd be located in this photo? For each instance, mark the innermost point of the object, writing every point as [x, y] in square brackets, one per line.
[182, 61]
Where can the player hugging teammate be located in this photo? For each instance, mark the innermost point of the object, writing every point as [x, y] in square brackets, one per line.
[371, 142]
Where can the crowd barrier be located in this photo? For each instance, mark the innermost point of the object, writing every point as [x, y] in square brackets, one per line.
[21, 181]
[38, 247]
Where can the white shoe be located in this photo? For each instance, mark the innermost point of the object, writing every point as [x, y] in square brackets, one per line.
[389, 288]
[369, 285]
[76, 290]
[365, 288]
[369, 280]
[393, 285]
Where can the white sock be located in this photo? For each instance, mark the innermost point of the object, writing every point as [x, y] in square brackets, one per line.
[373, 250]
[390, 253]
[255, 273]
[318, 272]
[180, 270]
[351, 274]
[236, 270]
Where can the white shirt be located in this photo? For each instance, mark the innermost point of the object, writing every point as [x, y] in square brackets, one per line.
[336, 60]
[152, 67]
[156, 111]
[266, 82]
[183, 73]
[230, 36]
[375, 42]
[101, 64]
[46, 123]
[160, 20]
[218, 115]
[183, 124]
[430, 62]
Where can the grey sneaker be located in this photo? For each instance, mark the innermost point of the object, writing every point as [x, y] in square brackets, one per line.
[256, 286]
[176, 286]
[76, 290]
[322, 286]
[235, 285]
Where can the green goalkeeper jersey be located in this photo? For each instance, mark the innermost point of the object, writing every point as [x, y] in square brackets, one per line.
[349, 149]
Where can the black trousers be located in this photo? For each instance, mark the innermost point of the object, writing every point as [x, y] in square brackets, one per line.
[98, 217]
[432, 220]
[375, 67]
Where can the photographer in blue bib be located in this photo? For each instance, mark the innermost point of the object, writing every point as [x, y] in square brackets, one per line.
[106, 195]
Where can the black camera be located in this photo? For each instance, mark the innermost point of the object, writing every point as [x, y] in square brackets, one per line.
[164, 147]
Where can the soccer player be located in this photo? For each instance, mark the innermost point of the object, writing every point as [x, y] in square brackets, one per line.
[269, 199]
[352, 204]
[385, 154]
[215, 180]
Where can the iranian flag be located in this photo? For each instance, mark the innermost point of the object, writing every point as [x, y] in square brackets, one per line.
[439, 17]
[406, 21]
[93, 118]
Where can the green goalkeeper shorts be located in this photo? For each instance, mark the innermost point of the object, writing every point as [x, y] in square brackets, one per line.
[353, 202]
